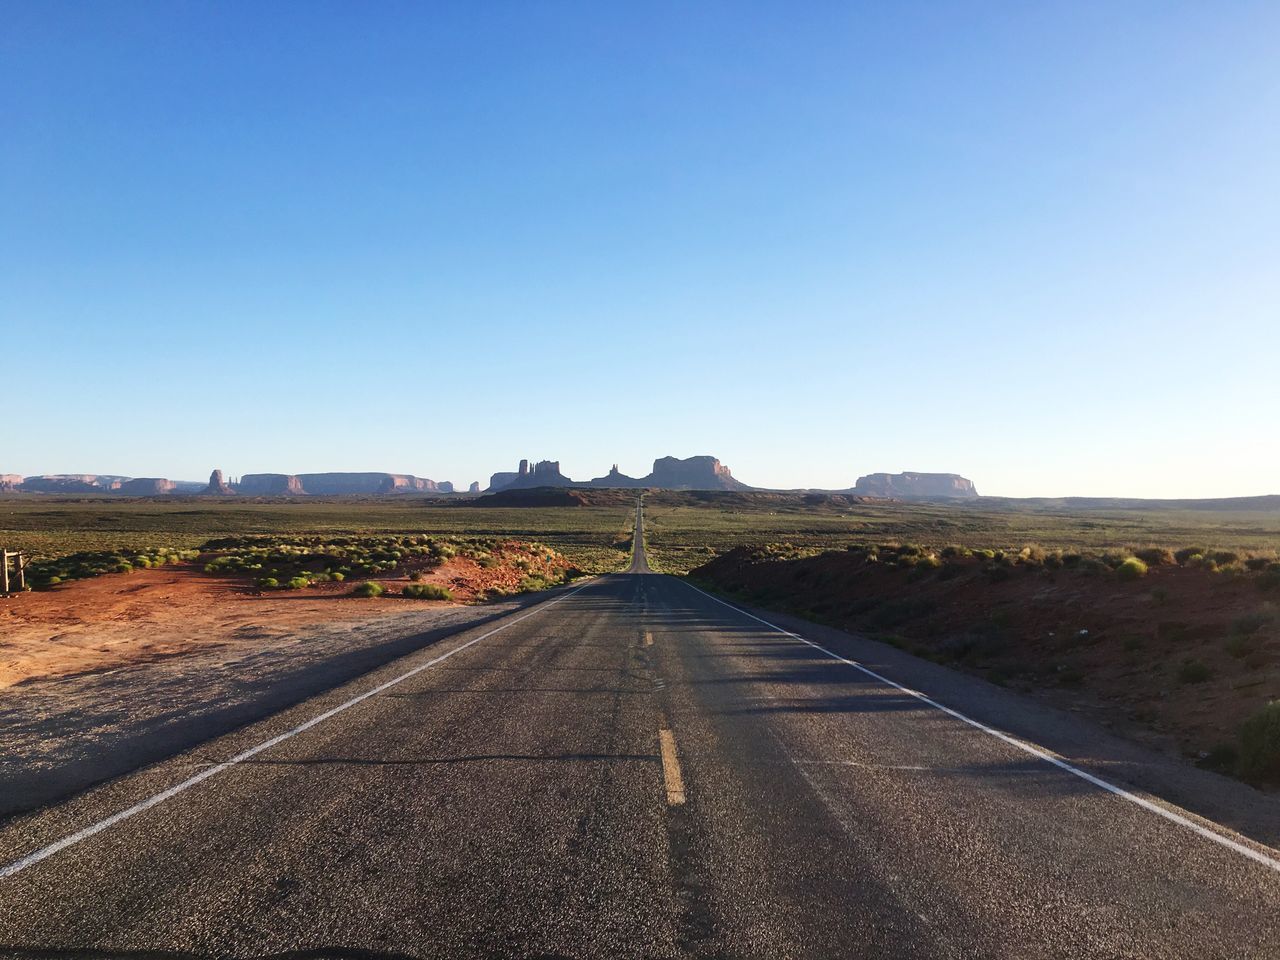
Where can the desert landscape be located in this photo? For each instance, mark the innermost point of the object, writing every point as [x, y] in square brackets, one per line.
[577, 480]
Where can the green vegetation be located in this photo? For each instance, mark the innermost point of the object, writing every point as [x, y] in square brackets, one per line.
[1259, 755]
[1260, 745]
[80, 566]
[680, 533]
[1131, 568]
[1193, 671]
[370, 588]
[49, 528]
[427, 591]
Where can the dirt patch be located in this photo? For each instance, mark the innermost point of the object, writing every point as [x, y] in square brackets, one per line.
[1176, 659]
[102, 676]
[120, 620]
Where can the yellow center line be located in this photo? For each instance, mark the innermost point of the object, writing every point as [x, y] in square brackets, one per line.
[648, 639]
[671, 768]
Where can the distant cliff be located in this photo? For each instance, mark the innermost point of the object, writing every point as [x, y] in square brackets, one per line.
[694, 473]
[669, 473]
[544, 473]
[915, 486]
[326, 484]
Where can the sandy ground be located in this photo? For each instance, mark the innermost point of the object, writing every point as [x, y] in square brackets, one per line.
[100, 676]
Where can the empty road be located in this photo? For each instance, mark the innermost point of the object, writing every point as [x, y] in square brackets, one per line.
[630, 769]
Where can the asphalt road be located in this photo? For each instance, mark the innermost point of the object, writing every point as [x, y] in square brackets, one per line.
[630, 769]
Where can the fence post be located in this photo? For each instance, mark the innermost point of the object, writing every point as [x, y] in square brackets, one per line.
[22, 571]
[5, 554]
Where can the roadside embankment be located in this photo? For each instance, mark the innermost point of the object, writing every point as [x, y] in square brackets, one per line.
[1180, 652]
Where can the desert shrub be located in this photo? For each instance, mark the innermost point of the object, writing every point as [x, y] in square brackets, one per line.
[427, 591]
[1270, 578]
[1131, 569]
[297, 583]
[370, 588]
[1032, 553]
[1240, 645]
[1186, 553]
[953, 551]
[269, 583]
[1193, 671]
[1223, 758]
[1156, 556]
[1250, 623]
[1260, 745]
[1224, 557]
[1072, 559]
[1257, 564]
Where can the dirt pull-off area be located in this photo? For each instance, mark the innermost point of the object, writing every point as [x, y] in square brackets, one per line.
[121, 619]
[103, 675]
[1176, 657]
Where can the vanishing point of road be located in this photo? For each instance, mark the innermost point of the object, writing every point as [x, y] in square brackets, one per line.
[631, 768]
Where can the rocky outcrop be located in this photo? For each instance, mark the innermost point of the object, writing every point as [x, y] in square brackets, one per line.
[363, 484]
[270, 485]
[544, 473]
[693, 473]
[915, 486]
[72, 483]
[10, 482]
[669, 473]
[217, 487]
[616, 478]
[500, 481]
[475, 487]
[147, 487]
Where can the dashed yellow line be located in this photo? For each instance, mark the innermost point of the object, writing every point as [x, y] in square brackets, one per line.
[671, 768]
[648, 638]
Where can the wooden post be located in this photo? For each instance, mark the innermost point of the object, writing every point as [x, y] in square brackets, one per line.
[22, 571]
[5, 554]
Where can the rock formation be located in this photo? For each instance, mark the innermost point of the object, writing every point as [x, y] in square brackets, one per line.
[10, 482]
[72, 483]
[217, 486]
[147, 487]
[358, 484]
[616, 478]
[475, 487]
[669, 473]
[694, 473]
[270, 485]
[915, 486]
[544, 473]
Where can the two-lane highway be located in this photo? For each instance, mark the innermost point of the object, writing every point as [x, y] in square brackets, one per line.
[633, 768]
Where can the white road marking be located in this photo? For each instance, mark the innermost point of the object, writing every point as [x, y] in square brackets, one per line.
[1257, 856]
[96, 828]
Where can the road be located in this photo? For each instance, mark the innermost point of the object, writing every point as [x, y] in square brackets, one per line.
[632, 768]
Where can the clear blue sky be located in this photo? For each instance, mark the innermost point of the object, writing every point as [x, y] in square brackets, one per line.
[1035, 244]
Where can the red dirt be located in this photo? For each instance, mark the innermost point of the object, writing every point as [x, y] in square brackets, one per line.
[122, 619]
[1087, 642]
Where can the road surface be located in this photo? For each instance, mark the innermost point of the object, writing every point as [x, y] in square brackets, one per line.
[630, 769]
